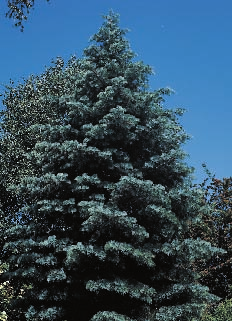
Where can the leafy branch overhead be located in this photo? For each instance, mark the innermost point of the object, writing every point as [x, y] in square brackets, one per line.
[19, 10]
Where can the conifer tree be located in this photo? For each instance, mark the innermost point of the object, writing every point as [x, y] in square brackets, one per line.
[111, 201]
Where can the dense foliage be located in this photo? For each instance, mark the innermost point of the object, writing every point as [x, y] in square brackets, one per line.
[27, 103]
[216, 228]
[106, 195]
[223, 312]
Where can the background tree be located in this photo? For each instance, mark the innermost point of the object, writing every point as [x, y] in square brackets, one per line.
[223, 312]
[19, 10]
[25, 104]
[216, 228]
[110, 201]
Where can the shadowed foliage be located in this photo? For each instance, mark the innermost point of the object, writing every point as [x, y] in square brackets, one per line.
[215, 227]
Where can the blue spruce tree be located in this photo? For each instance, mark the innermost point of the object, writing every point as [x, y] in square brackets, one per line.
[110, 203]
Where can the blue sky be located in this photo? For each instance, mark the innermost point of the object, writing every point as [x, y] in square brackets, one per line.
[188, 44]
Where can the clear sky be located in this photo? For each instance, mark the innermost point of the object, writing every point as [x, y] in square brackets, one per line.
[188, 44]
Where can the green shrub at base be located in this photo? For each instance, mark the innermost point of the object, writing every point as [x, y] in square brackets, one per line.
[223, 312]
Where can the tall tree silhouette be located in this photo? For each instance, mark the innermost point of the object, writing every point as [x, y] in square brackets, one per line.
[110, 201]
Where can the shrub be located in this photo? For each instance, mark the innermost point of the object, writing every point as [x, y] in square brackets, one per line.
[223, 312]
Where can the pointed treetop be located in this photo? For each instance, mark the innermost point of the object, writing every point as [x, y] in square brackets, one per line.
[111, 39]
[112, 18]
